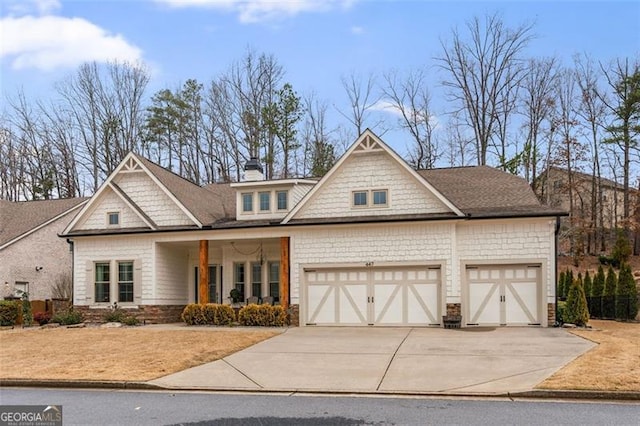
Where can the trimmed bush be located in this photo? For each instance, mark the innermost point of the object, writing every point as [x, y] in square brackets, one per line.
[192, 314]
[121, 316]
[217, 314]
[609, 295]
[262, 316]
[209, 314]
[130, 320]
[576, 309]
[68, 317]
[42, 318]
[9, 312]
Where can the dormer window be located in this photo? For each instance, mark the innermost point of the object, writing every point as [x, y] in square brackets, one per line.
[113, 218]
[265, 201]
[247, 202]
[282, 200]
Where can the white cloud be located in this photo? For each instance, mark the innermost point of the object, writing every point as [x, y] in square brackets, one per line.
[50, 42]
[357, 30]
[391, 108]
[252, 11]
[23, 7]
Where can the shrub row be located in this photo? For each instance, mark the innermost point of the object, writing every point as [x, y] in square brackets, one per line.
[68, 317]
[250, 315]
[121, 316]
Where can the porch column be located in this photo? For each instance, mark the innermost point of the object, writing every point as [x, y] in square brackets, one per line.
[203, 273]
[284, 272]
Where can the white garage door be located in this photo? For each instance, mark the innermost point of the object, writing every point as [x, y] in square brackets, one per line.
[373, 296]
[504, 295]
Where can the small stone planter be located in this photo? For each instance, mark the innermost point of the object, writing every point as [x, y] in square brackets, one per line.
[451, 321]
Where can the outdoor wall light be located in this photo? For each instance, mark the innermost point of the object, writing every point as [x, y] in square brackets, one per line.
[38, 268]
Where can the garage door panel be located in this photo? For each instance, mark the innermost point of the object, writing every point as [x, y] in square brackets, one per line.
[504, 294]
[388, 306]
[484, 297]
[422, 304]
[521, 305]
[376, 296]
[322, 303]
[352, 302]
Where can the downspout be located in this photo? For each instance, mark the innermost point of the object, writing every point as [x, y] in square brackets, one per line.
[555, 261]
[73, 266]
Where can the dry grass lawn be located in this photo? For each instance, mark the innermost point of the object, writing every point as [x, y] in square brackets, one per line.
[132, 354]
[612, 365]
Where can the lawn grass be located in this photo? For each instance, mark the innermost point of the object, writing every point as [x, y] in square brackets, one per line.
[613, 365]
[132, 354]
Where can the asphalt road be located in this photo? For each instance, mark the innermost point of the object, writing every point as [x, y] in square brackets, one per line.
[107, 407]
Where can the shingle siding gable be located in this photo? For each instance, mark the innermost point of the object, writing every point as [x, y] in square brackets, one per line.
[371, 171]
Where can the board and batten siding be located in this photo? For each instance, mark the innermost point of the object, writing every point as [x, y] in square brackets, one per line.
[110, 202]
[152, 200]
[372, 171]
[504, 241]
[382, 244]
[138, 249]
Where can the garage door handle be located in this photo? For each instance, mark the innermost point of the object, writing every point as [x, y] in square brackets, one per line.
[370, 299]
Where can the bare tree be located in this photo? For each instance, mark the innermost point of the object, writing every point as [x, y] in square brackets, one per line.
[537, 94]
[105, 103]
[482, 72]
[624, 107]
[410, 97]
[592, 111]
[318, 154]
[362, 98]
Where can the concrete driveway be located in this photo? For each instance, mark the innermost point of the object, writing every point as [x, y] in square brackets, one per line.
[390, 360]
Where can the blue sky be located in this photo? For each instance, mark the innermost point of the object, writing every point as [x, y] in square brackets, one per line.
[316, 41]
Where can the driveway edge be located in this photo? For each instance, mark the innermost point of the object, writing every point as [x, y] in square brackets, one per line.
[126, 385]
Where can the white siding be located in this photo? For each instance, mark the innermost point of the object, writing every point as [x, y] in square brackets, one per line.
[152, 199]
[121, 247]
[502, 241]
[172, 275]
[380, 243]
[110, 202]
[295, 194]
[406, 195]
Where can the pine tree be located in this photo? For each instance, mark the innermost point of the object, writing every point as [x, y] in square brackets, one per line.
[560, 287]
[609, 295]
[597, 290]
[576, 311]
[587, 284]
[568, 281]
[626, 294]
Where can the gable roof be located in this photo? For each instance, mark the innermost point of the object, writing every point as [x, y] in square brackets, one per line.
[19, 219]
[369, 141]
[586, 177]
[208, 204]
[203, 205]
[487, 192]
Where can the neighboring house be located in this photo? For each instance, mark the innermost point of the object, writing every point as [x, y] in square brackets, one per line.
[371, 243]
[32, 256]
[553, 188]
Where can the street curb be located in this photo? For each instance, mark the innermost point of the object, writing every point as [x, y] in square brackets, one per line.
[80, 384]
[532, 394]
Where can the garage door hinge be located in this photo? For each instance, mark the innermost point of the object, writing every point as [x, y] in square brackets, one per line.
[311, 323]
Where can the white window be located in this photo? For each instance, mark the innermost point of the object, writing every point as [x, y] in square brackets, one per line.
[380, 197]
[360, 198]
[102, 282]
[282, 200]
[125, 281]
[265, 201]
[256, 279]
[20, 287]
[247, 202]
[113, 218]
